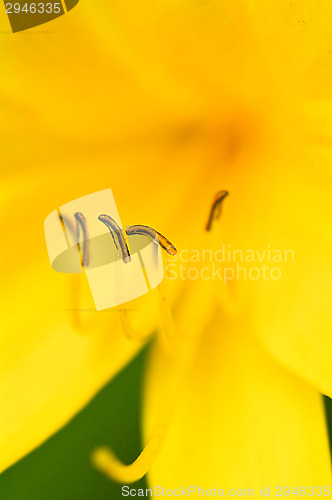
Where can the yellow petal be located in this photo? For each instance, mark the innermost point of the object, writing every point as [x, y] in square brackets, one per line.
[310, 46]
[191, 52]
[241, 420]
[49, 367]
[281, 215]
[120, 71]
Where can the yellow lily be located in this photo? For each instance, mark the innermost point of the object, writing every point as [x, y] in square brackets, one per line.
[167, 104]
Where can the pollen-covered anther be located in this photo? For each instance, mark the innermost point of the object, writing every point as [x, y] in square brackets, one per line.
[113, 227]
[152, 233]
[215, 211]
[81, 227]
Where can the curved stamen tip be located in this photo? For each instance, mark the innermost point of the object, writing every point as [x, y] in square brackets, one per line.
[149, 231]
[172, 250]
[106, 462]
[104, 459]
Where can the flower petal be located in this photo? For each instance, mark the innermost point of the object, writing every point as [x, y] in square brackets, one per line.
[196, 51]
[280, 214]
[120, 71]
[241, 420]
[50, 367]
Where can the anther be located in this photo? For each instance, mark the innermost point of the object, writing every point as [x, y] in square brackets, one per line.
[148, 231]
[113, 227]
[215, 211]
[81, 226]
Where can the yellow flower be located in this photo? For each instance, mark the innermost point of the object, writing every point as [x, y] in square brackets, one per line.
[168, 103]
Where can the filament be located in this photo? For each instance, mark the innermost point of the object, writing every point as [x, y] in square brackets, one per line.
[167, 321]
[81, 226]
[215, 211]
[113, 227]
[148, 231]
[65, 223]
[75, 295]
[76, 284]
[105, 460]
[129, 331]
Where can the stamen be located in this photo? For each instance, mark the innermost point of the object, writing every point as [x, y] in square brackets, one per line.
[65, 222]
[76, 284]
[167, 321]
[82, 226]
[148, 231]
[75, 295]
[215, 211]
[129, 331]
[114, 227]
[105, 460]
